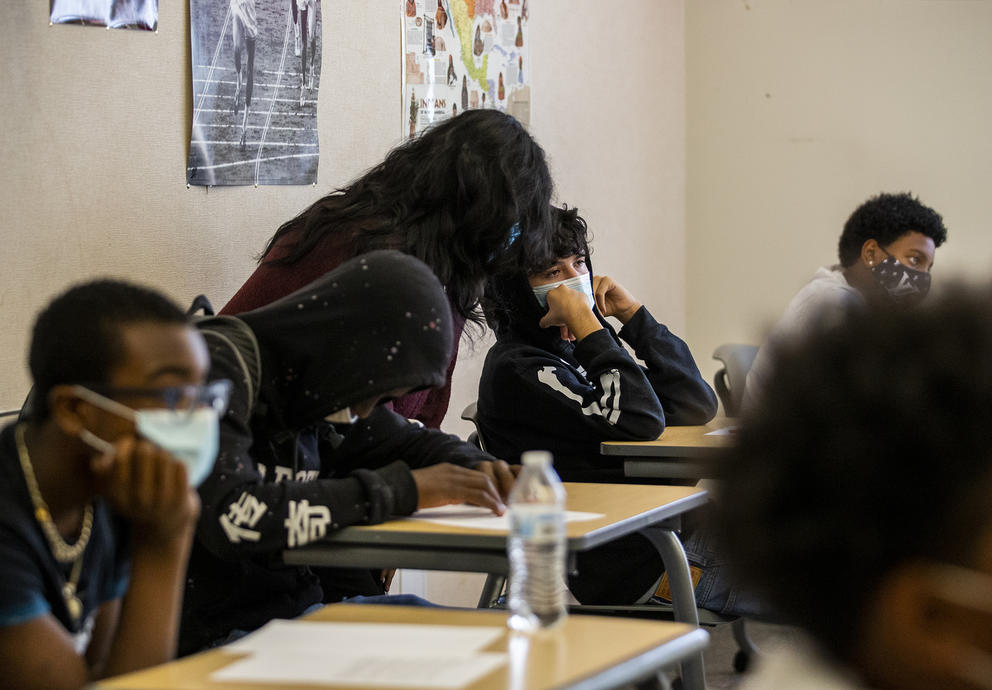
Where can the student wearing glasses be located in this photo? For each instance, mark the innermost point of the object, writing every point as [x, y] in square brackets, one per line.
[99, 511]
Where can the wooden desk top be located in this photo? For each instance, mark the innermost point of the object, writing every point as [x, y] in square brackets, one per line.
[625, 508]
[676, 442]
[409, 543]
[591, 651]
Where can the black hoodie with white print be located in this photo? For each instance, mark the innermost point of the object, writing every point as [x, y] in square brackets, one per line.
[541, 392]
[284, 476]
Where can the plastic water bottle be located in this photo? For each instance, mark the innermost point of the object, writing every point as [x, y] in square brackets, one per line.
[536, 545]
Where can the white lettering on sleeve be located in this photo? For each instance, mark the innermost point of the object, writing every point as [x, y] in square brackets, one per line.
[242, 514]
[306, 523]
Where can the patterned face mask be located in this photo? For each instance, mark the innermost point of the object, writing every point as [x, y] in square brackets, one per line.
[905, 286]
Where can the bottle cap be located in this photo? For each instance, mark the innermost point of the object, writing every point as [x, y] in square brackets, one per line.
[536, 458]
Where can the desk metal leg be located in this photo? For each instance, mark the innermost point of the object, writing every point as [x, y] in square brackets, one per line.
[495, 583]
[491, 590]
[683, 599]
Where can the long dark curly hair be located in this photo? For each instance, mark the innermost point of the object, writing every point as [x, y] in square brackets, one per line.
[453, 197]
[508, 292]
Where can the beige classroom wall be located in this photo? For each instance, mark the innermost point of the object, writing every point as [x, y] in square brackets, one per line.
[96, 130]
[96, 134]
[799, 110]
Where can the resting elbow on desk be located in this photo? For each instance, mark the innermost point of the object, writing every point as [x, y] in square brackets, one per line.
[692, 403]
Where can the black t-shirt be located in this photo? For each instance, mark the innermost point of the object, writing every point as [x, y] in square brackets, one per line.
[32, 578]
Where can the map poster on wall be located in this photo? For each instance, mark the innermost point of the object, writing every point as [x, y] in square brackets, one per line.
[113, 14]
[461, 54]
[256, 76]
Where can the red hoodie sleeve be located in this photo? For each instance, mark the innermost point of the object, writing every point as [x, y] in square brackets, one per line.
[429, 407]
[272, 281]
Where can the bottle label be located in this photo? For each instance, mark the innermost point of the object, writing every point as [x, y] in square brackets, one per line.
[536, 522]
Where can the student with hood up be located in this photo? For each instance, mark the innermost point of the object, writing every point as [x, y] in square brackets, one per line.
[306, 446]
[559, 379]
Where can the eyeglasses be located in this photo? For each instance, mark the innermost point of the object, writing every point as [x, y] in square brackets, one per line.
[182, 400]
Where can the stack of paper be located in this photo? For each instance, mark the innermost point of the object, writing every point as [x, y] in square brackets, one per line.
[386, 655]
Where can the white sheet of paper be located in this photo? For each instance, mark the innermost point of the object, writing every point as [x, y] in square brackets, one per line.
[383, 669]
[483, 518]
[393, 655]
[357, 639]
[725, 431]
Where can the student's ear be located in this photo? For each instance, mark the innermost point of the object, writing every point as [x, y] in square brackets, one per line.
[871, 253]
[916, 632]
[67, 410]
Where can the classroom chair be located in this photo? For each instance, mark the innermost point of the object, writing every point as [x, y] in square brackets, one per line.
[729, 381]
[471, 414]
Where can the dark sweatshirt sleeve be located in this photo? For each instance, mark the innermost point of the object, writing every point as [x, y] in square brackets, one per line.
[386, 437]
[244, 514]
[686, 398]
[272, 281]
[613, 400]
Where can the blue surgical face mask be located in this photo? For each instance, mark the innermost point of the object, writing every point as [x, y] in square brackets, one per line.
[190, 436]
[578, 283]
[193, 438]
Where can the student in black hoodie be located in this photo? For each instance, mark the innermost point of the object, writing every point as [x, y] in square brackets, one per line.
[307, 448]
[558, 376]
[559, 379]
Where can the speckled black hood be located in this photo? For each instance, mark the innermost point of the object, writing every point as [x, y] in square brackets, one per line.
[374, 324]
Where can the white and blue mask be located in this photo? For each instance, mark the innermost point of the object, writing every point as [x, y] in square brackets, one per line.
[579, 283]
[191, 436]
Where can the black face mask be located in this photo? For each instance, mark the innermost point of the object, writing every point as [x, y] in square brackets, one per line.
[905, 286]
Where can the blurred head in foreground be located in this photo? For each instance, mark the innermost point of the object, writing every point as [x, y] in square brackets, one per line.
[859, 495]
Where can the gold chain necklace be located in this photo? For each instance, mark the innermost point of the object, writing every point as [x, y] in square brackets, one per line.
[63, 552]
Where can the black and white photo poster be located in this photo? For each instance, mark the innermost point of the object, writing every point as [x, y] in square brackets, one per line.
[256, 76]
[113, 14]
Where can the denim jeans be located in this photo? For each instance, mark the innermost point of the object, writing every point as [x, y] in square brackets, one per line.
[391, 599]
[715, 590]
